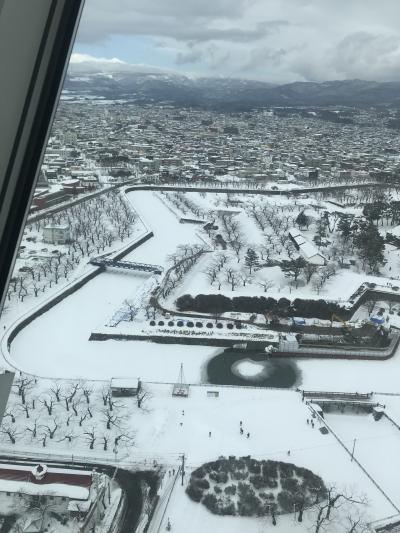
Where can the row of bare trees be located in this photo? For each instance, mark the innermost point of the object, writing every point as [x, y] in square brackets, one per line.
[68, 412]
[94, 225]
[184, 204]
[182, 260]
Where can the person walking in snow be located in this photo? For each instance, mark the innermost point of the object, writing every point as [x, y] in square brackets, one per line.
[209, 433]
[248, 435]
[288, 452]
[168, 528]
[240, 423]
[241, 431]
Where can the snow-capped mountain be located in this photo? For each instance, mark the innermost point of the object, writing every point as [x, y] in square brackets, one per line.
[115, 79]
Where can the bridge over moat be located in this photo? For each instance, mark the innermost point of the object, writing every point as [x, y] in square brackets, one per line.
[127, 265]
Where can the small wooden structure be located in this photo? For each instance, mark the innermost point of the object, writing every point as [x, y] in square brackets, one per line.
[125, 386]
[181, 389]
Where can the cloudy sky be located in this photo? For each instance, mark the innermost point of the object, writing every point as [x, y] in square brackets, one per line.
[273, 40]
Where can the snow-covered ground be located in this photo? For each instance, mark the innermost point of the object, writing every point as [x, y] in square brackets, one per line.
[376, 446]
[277, 423]
[56, 343]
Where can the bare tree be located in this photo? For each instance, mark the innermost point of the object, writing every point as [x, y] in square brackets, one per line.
[74, 389]
[211, 274]
[82, 418]
[237, 243]
[33, 428]
[142, 398]
[111, 419]
[330, 510]
[26, 408]
[131, 308]
[90, 438]
[11, 432]
[55, 389]
[318, 283]
[52, 430]
[106, 440]
[68, 437]
[10, 415]
[221, 260]
[23, 384]
[87, 392]
[234, 280]
[74, 406]
[245, 277]
[105, 394]
[43, 507]
[124, 438]
[49, 404]
[309, 270]
[266, 284]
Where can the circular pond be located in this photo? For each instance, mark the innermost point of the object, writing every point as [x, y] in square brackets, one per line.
[252, 368]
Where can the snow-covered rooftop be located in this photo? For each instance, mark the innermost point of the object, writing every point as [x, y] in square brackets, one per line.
[51, 489]
[305, 247]
[124, 383]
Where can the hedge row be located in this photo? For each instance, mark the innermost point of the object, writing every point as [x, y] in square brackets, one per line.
[249, 487]
[218, 303]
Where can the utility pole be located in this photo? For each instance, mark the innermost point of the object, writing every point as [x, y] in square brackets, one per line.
[183, 468]
[354, 445]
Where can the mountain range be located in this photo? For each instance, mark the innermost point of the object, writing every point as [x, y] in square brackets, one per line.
[145, 86]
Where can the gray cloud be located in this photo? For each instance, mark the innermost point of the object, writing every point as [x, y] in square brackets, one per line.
[190, 57]
[279, 40]
[362, 52]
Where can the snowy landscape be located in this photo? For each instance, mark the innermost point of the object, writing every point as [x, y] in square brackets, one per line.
[202, 326]
[61, 405]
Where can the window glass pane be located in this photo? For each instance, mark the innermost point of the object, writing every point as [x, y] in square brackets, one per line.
[205, 306]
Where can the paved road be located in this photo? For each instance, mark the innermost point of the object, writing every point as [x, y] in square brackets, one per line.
[160, 517]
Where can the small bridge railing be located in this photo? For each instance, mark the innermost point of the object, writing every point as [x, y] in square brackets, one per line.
[128, 265]
[355, 396]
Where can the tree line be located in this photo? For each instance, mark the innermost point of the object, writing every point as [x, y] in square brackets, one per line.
[217, 303]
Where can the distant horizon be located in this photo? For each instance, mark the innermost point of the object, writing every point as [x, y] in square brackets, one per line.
[85, 63]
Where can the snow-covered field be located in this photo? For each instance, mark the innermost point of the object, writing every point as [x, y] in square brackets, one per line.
[56, 344]
[376, 446]
[204, 427]
[277, 423]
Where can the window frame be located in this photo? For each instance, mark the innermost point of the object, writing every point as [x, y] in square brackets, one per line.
[36, 40]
